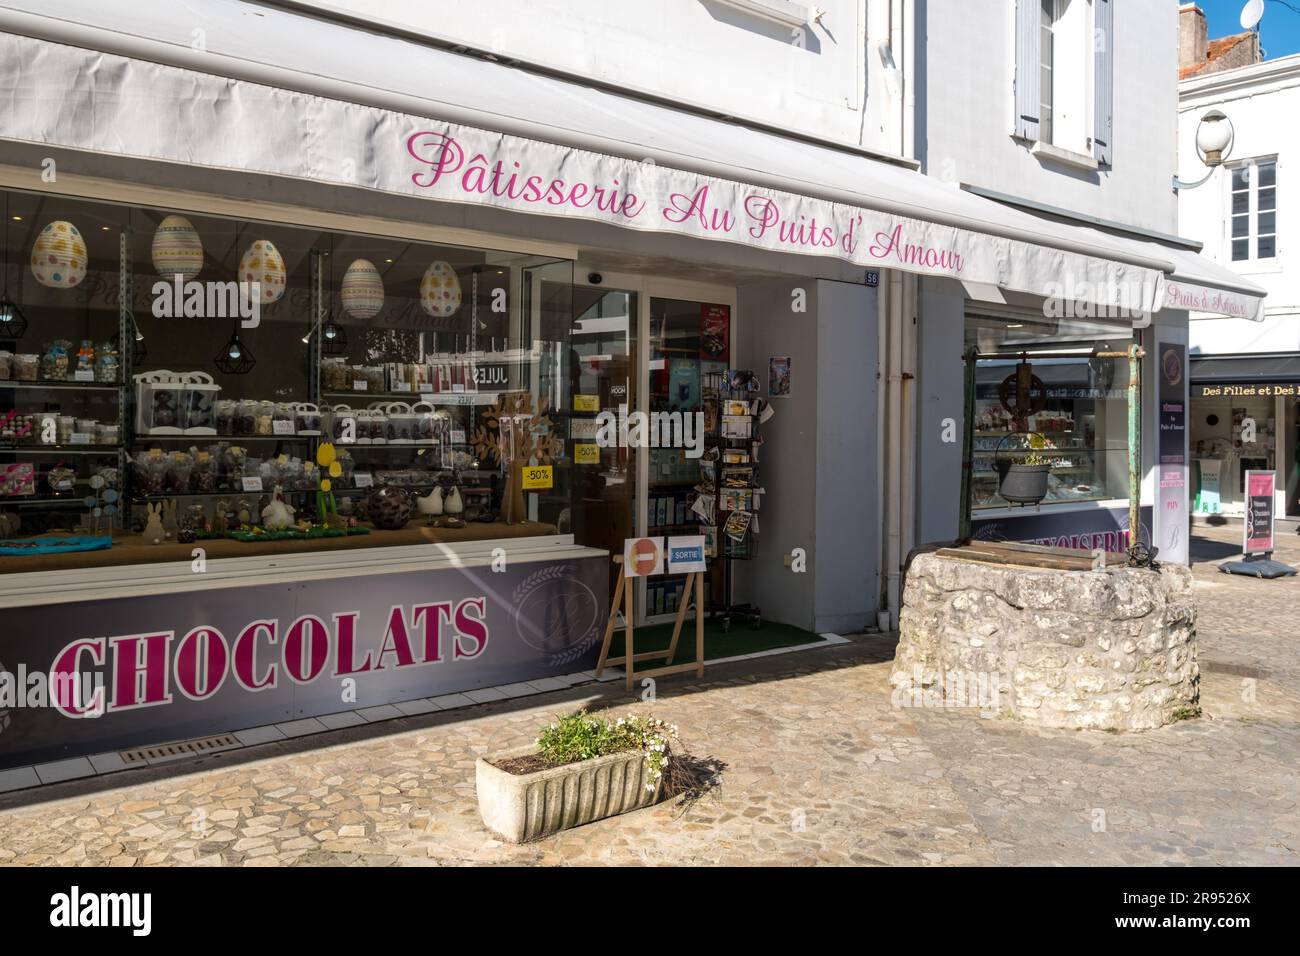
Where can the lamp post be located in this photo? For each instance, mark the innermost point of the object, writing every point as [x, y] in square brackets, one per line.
[1214, 138]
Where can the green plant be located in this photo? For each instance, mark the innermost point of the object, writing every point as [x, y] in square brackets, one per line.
[583, 736]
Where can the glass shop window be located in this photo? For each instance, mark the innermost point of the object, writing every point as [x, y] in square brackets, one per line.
[1071, 414]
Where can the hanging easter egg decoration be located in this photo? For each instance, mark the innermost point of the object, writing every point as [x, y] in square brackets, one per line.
[59, 256]
[263, 263]
[440, 290]
[363, 290]
[177, 249]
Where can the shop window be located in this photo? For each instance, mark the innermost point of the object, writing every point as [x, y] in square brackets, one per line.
[1074, 417]
[195, 365]
[1253, 212]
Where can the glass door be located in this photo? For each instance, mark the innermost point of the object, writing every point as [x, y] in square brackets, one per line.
[688, 340]
[603, 363]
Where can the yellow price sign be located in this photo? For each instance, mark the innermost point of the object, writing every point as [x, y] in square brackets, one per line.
[538, 477]
[586, 403]
[586, 454]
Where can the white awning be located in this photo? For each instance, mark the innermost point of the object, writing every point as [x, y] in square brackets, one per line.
[232, 84]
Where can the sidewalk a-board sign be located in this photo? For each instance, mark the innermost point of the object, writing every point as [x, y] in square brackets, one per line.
[1257, 530]
[648, 557]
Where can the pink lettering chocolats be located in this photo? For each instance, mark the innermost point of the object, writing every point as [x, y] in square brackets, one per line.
[141, 670]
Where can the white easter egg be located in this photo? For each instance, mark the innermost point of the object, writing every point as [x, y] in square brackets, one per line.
[59, 255]
[440, 290]
[262, 263]
[362, 292]
[177, 249]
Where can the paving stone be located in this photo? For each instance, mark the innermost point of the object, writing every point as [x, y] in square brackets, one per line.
[820, 768]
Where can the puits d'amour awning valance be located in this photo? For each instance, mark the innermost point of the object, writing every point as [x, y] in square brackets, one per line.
[403, 117]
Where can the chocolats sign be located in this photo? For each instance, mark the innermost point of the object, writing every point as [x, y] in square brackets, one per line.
[134, 671]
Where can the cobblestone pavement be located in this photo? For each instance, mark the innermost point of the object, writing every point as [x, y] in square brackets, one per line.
[820, 768]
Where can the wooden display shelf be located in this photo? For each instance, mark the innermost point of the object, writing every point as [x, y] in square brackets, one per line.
[131, 549]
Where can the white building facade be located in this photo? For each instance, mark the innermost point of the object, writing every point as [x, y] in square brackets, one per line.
[1246, 374]
[904, 227]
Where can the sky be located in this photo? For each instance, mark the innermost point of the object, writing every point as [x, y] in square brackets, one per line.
[1279, 30]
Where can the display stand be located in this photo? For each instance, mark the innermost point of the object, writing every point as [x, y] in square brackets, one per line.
[735, 432]
[623, 593]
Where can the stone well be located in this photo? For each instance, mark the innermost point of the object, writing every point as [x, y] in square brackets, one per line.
[1111, 649]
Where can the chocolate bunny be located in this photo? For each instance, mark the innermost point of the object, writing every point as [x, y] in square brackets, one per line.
[153, 529]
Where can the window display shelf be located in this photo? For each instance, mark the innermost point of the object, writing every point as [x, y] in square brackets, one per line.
[102, 450]
[433, 398]
[47, 384]
[219, 439]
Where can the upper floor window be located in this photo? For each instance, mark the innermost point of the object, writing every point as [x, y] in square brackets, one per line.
[1064, 76]
[1254, 210]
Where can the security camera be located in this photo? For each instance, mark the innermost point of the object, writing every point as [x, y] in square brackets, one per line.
[595, 278]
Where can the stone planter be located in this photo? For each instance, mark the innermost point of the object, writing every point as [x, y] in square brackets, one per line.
[527, 807]
[1111, 649]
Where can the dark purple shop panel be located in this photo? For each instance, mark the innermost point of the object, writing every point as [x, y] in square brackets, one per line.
[169, 667]
[1090, 529]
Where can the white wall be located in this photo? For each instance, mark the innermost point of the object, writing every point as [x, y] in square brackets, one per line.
[700, 52]
[968, 109]
[818, 457]
[1262, 102]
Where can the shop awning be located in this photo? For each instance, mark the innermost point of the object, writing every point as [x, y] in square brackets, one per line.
[1246, 370]
[233, 84]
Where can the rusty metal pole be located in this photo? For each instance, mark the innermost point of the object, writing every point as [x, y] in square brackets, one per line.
[970, 360]
[1134, 355]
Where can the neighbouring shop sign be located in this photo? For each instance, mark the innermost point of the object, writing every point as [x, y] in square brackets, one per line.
[1258, 526]
[174, 666]
[1247, 390]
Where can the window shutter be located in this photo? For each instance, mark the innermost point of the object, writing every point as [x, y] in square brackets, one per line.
[1028, 77]
[1104, 82]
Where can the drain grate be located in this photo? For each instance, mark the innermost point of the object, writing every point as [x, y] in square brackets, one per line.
[179, 748]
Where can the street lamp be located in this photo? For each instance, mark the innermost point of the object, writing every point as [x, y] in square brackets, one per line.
[1214, 136]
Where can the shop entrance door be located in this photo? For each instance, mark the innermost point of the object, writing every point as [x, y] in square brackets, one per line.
[646, 344]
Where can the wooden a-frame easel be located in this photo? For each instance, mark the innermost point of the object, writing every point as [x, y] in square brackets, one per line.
[623, 592]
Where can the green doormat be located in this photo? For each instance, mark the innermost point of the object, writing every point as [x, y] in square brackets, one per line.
[741, 639]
